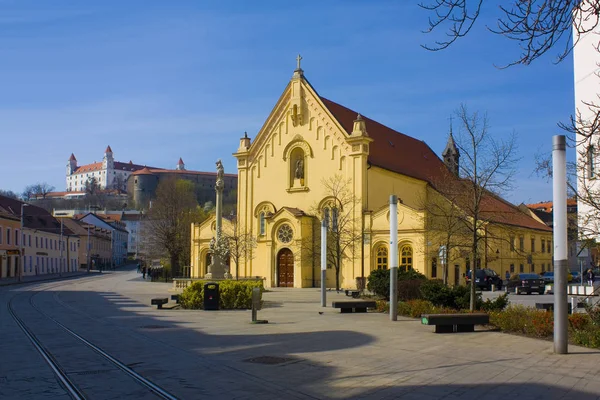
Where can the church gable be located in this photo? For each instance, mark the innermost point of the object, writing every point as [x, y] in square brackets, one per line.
[408, 219]
[299, 141]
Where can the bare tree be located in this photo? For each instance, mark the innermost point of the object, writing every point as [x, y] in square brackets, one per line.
[9, 193]
[486, 169]
[167, 227]
[240, 244]
[536, 25]
[119, 183]
[343, 227]
[91, 186]
[445, 225]
[39, 189]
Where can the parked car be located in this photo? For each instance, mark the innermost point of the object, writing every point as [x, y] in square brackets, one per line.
[527, 283]
[548, 277]
[485, 278]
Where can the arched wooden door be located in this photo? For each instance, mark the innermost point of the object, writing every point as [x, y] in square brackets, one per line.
[285, 268]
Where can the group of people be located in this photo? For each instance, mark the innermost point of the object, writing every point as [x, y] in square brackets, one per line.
[152, 273]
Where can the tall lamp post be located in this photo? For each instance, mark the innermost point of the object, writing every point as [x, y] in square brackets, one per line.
[22, 263]
[60, 266]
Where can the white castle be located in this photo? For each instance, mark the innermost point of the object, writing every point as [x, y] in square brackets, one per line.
[109, 174]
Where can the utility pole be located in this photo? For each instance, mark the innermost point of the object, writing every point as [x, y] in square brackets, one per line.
[323, 261]
[88, 245]
[559, 194]
[393, 258]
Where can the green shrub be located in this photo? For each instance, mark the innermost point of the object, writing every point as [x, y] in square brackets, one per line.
[594, 313]
[498, 304]
[414, 308]
[408, 288]
[232, 294]
[524, 320]
[578, 322]
[437, 293]
[589, 337]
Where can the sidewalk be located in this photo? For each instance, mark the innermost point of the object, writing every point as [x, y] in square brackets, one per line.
[41, 278]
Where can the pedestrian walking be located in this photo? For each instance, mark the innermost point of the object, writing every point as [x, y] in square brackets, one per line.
[590, 277]
[143, 272]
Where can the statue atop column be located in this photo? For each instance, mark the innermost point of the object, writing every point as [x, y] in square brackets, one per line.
[218, 246]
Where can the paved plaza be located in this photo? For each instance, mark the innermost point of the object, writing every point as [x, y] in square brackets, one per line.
[304, 351]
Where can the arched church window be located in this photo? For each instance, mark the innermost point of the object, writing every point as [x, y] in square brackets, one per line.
[406, 257]
[381, 260]
[334, 219]
[326, 217]
[285, 233]
[262, 223]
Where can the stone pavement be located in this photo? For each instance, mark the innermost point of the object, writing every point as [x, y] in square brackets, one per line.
[304, 352]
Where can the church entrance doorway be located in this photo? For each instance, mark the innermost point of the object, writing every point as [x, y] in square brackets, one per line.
[285, 268]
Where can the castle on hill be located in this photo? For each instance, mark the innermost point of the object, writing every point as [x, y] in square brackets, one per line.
[139, 181]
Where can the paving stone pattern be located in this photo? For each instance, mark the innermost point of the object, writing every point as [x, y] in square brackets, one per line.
[305, 351]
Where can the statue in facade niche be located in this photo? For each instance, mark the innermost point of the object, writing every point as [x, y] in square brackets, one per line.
[299, 173]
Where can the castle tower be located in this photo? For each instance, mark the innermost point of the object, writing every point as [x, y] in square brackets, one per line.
[180, 165]
[451, 155]
[108, 162]
[72, 165]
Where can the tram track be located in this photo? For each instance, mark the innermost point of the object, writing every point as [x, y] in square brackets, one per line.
[70, 384]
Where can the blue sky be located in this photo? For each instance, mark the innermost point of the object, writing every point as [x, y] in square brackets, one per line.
[160, 80]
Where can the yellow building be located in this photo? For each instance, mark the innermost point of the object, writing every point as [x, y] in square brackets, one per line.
[314, 159]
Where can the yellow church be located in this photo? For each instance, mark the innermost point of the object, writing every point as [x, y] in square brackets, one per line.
[314, 159]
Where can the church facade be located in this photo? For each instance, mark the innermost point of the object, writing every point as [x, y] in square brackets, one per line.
[316, 160]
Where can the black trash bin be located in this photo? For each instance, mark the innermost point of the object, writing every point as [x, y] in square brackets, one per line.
[211, 296]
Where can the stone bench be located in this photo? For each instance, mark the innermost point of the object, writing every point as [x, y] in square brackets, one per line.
[175, 297]
[355, 305]
[449, 323]
[159, 301]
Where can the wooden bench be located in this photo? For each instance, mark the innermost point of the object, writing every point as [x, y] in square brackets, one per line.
[159, 301]
[449, 323]
[354, 305]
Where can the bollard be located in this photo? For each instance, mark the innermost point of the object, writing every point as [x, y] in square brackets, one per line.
[493, 288]
[256, 307]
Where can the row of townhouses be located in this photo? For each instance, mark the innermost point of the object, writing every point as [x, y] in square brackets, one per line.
[35, 242]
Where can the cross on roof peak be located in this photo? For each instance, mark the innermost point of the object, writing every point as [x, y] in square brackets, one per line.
[298, 59]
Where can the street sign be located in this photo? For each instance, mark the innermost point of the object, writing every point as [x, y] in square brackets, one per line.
[442, 254]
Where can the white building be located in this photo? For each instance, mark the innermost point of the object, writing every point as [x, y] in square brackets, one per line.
[109, 174]
[119, 234]
[586, 58]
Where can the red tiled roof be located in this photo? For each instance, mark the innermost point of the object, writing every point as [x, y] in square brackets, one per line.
[393, 150]
[403, 154]
[547, 206]
[121, 166]
[180, 161]
[72, 158]
[108, 149]
[33, 217]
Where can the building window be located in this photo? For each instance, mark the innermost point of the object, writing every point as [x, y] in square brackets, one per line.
[0, 235]
[30, 262]
[512, 268]
[521, 268]
[16, 237]
[262, 223]
[406, 261]
[285, 233]
[382, 257]
[533, 245]
[36, 242]
[532, 267]
[522, 243]
[543, 246]
[512, 243]
[434, 267]
[7, 235]
[334, 219]
[51, 245]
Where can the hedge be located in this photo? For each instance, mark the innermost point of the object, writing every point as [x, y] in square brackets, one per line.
[232, 294]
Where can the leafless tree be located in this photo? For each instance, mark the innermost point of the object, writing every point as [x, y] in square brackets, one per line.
[9, 193]
[167, 227]
[486, 169]
[536, 25]
[39, 189]
[343, 232]
[240, 244]
[445, 225]
[91, 187]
